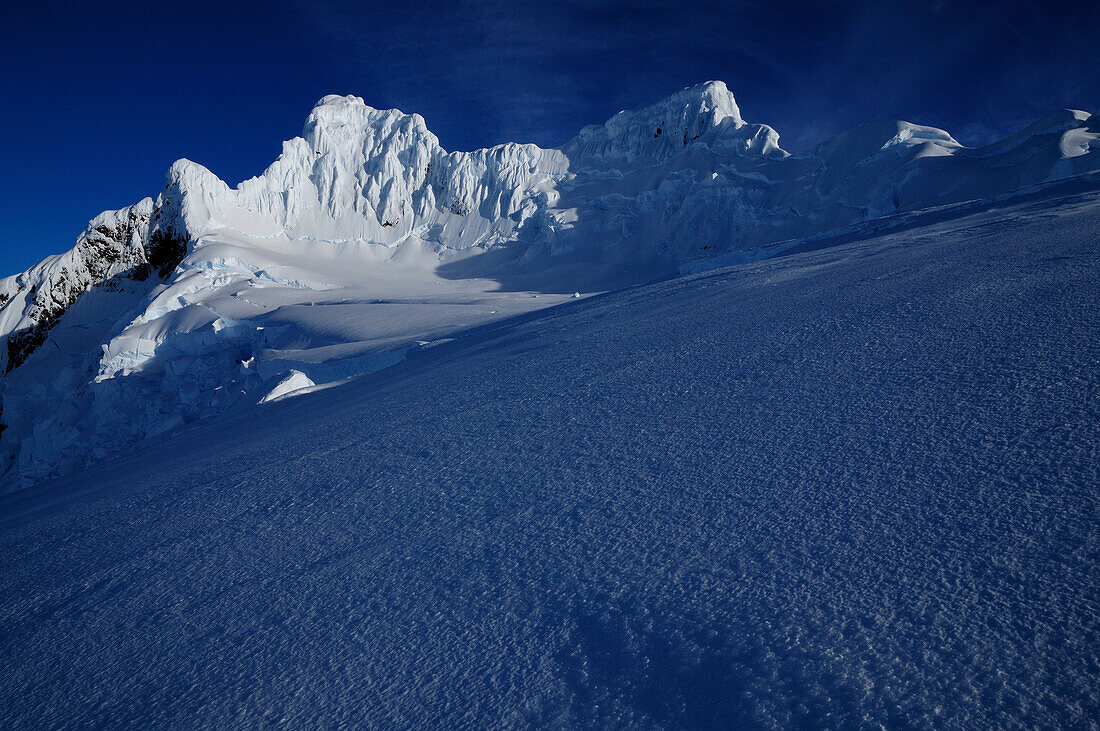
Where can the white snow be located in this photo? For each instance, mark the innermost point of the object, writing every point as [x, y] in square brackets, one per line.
[848, 487]
[292, 385]
[365, 238]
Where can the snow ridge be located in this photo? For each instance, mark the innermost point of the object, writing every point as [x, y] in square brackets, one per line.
[365, 238]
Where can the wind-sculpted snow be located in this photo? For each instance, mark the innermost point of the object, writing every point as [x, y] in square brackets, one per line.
[216, 286]
[855, 487]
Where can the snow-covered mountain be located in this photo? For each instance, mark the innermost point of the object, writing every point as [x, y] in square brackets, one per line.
[854, 487]
[366, 239]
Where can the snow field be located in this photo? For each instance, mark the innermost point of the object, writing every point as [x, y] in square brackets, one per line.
[849, 487]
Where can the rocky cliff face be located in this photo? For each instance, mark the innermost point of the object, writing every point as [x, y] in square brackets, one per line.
[113, 245]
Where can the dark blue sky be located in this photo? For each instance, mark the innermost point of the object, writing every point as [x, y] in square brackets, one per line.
[100, 98]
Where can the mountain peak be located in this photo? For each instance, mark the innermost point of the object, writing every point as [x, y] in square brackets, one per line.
[337, 100]
[343, 124]
[286, 271]
[712, 96]
[661, 130]
[184, 173]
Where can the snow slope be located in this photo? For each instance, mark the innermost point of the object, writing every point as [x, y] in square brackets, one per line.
[365, 241]
[848, 487]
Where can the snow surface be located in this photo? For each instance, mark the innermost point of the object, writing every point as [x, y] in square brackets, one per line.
[855, 486]
[366, 241]
[294, 384]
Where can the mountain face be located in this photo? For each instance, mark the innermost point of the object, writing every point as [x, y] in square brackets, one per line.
[365, 240]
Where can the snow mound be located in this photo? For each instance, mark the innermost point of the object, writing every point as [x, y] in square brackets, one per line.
[292, 385]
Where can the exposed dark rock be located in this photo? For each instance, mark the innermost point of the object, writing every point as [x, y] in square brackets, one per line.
[165, 251]
[22, 343]
[100, 250]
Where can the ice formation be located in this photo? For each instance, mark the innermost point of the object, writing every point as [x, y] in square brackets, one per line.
[365, 240]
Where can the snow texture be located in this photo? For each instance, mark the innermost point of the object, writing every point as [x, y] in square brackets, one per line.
[366, 241]
[854, 486]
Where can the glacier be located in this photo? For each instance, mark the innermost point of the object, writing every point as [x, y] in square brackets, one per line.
[854, 486]
[365, 242]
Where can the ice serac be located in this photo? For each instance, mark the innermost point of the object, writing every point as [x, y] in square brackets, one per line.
[366, 240]
[364, 174]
